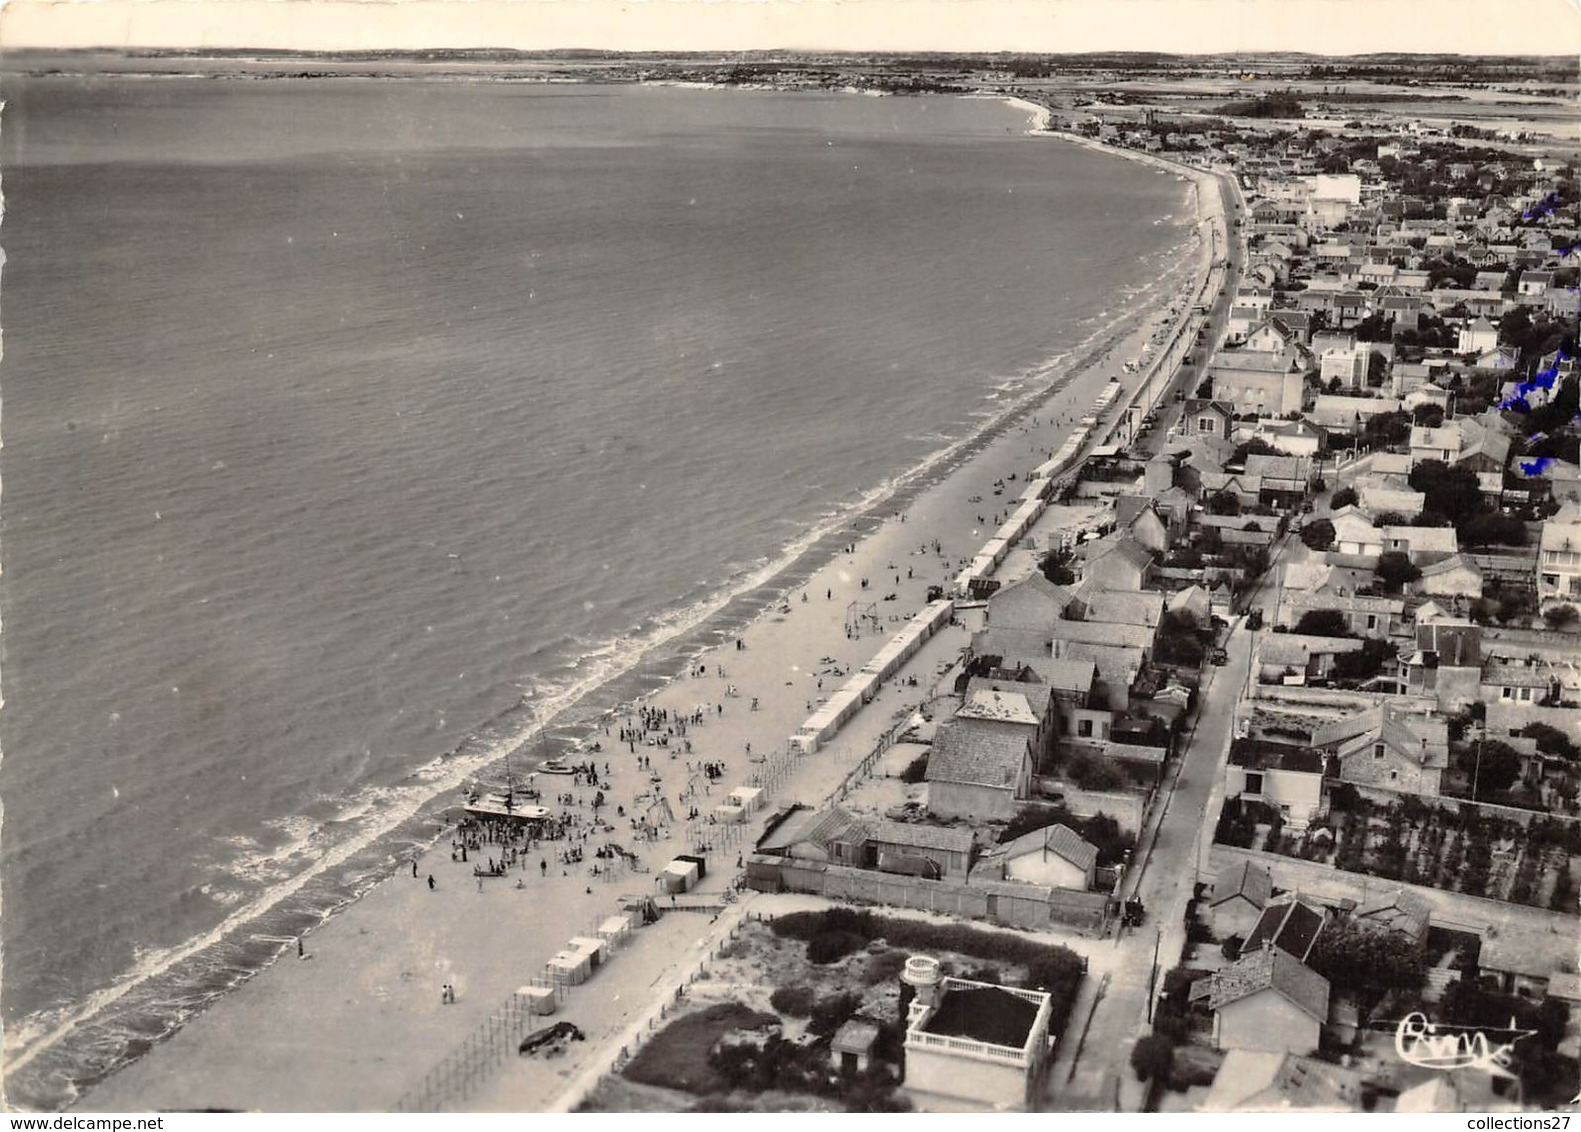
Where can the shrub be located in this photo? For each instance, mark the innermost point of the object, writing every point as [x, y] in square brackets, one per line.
[677, 1056]
[1344, 497]
[916, 770]
[1318, 535]
[1550, 740]
[793, 1002]
[1152, 1057]
[1395, 569]
[883, 967]
[832, 946]
[1093, 773]
[1560, 616]
[1324, 623]
[1051, 968]
[831, 1012]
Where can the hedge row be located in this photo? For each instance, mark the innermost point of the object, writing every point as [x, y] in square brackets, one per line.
[1050, 967]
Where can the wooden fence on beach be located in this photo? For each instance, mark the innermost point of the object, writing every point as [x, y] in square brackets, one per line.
[472, 1062]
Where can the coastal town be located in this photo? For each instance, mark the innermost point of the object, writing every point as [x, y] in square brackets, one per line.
[1208, 741]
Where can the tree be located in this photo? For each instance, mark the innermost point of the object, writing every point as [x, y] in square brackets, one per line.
[1494, 767]
[1374, 328]
[1563, 898]
[1344, 497]
[1428, 415]
[1093, 773]
[1152, 1057]
[1256, 446]
[1386, 429]
[1365, 663]
[1056, 567]
[1324, 623]
[1515, 327]
[1318, 535]
[1451, 492]
[1560, 616]
[1551, 741]
[1367, 962]
[1222, 503]
[1395, 569]
[1493, 529]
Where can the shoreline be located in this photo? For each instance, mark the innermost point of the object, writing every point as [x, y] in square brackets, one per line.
[865, 523]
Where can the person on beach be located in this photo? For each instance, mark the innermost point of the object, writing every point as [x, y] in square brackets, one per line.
[414, 868]
[430, 882]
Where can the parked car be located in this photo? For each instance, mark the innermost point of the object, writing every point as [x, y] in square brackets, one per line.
[1254, 619]
[1219, 657]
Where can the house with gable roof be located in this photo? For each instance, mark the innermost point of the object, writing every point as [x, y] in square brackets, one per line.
[1479, 334]
[837, 837]
[1402, 911]
[1267, 1000]
[1284, 480]
[1422, 545]
[1270, 336]
[1055, 856]
[1116, 562]
[1442, 443]
[1239, 896]
[981, 763]
[1137, 515]
[1114, 607]
[1257, 1081]
[1269, 383]
[1559, 558]
[1355, 535]
[1446, 663]
[1029, 603]
[1378, 500]
[1388, 747]
[1279, 655]
[1290, 924]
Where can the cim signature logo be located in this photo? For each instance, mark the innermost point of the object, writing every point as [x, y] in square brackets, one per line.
[1431, 1045]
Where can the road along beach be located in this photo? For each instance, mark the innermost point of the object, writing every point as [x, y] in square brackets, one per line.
[361, 1020]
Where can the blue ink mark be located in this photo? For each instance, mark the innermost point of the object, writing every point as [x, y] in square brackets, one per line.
[1542, 207]
[1543, 379]
[1538, 466]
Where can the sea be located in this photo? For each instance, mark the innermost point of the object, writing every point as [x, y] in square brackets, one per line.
[359, 431]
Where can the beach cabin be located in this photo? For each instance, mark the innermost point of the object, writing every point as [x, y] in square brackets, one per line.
[538, 1000]
[568, 968]
[749, 798]
[615, 929]
[596, 950]
[678, 876]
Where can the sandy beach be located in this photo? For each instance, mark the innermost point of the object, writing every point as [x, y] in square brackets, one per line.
[358, 1021]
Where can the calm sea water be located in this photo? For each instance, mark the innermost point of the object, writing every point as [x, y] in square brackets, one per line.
[350, 424]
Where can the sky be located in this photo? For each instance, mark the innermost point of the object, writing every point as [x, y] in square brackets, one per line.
[1333, 27]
